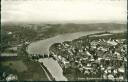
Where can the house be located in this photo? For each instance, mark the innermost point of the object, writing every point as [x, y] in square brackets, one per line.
[115, 71]
[121, 77]
[67, 64]
[105, 76]
[122, 70]
[112, 42]
[110, 76]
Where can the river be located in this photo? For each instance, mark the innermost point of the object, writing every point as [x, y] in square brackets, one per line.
[42, 47]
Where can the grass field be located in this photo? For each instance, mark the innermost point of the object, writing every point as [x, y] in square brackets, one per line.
[25, 69]
[18, 65]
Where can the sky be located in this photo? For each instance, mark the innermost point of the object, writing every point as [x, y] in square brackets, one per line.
[63, 10]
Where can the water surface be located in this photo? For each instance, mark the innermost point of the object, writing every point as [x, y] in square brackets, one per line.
[42, 46]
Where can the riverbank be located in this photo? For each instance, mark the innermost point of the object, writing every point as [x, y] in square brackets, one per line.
[42, 47]
[54, 69]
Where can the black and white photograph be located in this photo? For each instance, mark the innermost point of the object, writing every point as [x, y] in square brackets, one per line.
[63, 40]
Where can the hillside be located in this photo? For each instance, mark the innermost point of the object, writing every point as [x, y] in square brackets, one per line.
[49, 30]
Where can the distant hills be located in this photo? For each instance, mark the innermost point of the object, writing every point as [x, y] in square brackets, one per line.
[89, 27]
[49, 30]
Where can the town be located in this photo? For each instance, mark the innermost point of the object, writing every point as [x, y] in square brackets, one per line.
[63, 40]
[101, 56]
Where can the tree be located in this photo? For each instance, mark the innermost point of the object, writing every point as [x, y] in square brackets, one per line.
[4, 40]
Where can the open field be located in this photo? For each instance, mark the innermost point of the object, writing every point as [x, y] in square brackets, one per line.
[25, 69]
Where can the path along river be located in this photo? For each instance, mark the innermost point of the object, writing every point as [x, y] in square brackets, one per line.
[42, 47]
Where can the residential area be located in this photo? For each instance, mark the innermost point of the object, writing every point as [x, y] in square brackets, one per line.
[101, 56]
[63, 40]
[98, 55]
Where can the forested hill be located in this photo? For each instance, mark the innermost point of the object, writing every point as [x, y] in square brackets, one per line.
[72, 26]
[49, 30]
[87, 27]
